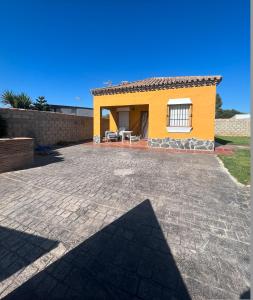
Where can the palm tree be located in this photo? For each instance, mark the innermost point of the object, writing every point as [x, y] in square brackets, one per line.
[16, 101]
[9, 98]
[23, 101]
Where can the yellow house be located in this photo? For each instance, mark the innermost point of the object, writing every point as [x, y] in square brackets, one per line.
[170, 112]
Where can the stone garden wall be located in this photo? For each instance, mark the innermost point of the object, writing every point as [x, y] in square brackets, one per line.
[232, 127]
[16, 153]
[48, 128]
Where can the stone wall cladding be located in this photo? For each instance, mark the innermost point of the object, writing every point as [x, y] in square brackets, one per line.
[48, 128]
[183, 144]
[16, 153]
[232, 127]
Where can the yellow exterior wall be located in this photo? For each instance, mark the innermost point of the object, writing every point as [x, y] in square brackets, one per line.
[135, 118]
[113, 118]
[203, 110]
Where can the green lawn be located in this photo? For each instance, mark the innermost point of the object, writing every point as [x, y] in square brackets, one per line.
[238, 165]
[233, 140]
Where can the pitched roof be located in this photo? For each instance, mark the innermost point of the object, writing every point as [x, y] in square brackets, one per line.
[158, 83]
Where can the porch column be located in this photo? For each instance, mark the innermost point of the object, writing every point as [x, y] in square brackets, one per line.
[113, 119]
[153, 125]
[97, 124]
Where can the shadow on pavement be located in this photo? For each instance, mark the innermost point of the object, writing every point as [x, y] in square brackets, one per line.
[221, 141]
[43, 160]
[246, 295]
[128, 259]
[60, 145]
[19, 249]
[53, 155]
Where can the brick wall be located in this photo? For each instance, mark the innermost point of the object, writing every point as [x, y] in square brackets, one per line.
[232, 127]
[16, 153]
[48, 128]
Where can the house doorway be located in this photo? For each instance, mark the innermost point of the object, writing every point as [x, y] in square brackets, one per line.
[123, 119]
[144, 124]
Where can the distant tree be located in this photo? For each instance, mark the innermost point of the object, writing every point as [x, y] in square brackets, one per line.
[218, 101]
[41, 104]
[16, 101]
[223, 113]
[218, 107]
[228, 113]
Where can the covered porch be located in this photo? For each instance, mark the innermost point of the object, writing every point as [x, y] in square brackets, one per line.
[133, 119]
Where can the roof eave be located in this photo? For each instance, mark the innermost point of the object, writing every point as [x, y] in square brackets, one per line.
[123, 89]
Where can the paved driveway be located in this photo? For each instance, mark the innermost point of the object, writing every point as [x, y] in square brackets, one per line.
[101, 223]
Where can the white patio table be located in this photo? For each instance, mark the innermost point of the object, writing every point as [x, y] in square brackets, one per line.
[125, 133]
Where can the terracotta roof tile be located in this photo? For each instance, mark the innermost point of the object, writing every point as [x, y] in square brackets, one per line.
[158, 83]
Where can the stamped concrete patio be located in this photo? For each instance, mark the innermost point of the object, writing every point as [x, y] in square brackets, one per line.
[111, 223]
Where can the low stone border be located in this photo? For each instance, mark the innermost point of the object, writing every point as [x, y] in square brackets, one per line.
[185, 144]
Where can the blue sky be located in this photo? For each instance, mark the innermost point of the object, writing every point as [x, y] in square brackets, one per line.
[63, 48]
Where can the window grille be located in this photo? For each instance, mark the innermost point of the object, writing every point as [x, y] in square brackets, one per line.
[179, 115]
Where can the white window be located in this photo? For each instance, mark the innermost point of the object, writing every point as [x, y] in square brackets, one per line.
[179, 115]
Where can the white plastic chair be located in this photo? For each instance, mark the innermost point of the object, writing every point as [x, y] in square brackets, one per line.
[134, 138]
[120, 131]
[111, 135]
